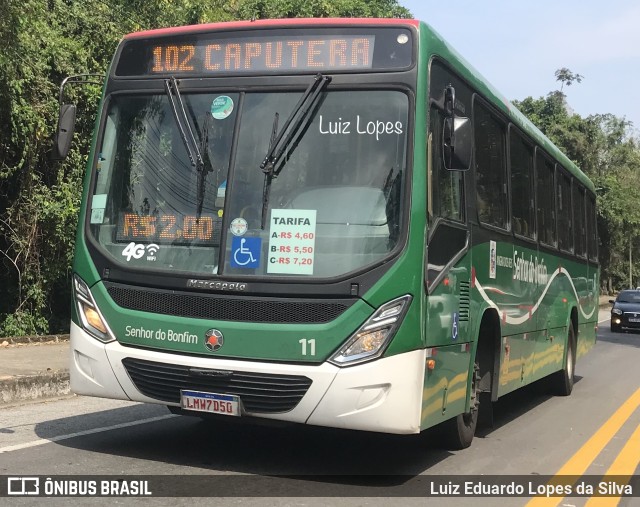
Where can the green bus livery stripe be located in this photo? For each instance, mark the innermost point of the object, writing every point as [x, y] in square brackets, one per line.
[530, 313]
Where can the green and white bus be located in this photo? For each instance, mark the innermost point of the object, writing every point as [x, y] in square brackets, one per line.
[335, 222]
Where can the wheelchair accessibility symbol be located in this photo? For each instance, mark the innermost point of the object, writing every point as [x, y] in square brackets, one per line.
[245, 252]
[455, 326]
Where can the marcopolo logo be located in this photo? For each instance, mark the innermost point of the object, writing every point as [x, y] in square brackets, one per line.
[213, 340]
[216, 285]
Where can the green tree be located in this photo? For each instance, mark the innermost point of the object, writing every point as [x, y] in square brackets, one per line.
[604, 146]
[263, 9]
[566, 77]
[44, 41]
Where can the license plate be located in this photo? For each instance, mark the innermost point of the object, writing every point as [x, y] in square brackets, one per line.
[634, 320]
[211, 403]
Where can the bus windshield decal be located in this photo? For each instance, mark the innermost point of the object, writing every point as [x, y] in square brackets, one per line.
[359, 126]
[292, 236]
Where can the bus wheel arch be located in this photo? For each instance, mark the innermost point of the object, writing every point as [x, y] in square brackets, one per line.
[573, 321]
[458, 432]
[487, 353]
[562, 381]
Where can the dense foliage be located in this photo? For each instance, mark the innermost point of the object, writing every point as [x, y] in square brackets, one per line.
[606, 148]
[44, 41]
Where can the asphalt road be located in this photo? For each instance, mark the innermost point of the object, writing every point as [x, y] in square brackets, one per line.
[533, 434]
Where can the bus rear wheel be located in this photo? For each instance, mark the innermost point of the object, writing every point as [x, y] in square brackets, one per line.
[562, 381]
[457, 433]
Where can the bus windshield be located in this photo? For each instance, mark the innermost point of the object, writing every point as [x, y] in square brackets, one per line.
[334, 206]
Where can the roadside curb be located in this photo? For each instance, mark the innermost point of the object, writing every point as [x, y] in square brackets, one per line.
[26, 340]
[44, 385]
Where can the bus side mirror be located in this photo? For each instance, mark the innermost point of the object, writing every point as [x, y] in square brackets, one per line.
[456, 138]
[457, 143]
[64, 135]
[67, 117]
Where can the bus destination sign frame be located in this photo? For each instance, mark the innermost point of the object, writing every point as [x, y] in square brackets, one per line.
[289, 52]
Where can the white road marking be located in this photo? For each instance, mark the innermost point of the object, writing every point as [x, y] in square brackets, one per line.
[42, 441]
[606, 319]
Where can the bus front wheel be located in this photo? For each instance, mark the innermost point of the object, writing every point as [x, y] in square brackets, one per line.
[457, 433]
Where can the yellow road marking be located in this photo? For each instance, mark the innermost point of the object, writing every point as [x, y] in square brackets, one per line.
[624, 465]
[580, 461]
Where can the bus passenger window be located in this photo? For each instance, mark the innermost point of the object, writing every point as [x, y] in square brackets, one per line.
[491, 182]
[592, 231]
[579, 220]
[565, 220]
[546, 200]
[522, 198]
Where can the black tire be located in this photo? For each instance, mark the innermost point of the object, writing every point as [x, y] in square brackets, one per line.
[562, 381]
[615, 329]
[457, 433]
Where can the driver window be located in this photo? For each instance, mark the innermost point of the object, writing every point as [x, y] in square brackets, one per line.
[447, 189]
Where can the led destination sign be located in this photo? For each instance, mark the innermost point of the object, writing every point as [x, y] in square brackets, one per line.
[287, 52]
[274, 53]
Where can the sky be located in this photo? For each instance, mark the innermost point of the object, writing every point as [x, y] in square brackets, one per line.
[518, 45]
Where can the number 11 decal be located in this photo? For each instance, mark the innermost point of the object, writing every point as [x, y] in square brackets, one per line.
[311, 345]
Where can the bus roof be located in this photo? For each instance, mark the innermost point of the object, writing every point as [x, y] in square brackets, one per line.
[272, 23]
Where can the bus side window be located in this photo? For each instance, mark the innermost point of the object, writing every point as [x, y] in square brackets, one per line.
[592, 232]
[447, 188]
[491, 180]
[522, 197]
[579, 219]
[546, 200]
[565, 219]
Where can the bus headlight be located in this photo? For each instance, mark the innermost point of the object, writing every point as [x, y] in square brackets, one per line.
[92, 320]
[371, 339]
[617, 311]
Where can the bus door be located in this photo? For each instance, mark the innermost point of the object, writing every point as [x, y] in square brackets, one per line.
[448, 265]
[448, 284]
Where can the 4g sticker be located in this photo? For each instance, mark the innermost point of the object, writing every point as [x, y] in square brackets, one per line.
[138, 251]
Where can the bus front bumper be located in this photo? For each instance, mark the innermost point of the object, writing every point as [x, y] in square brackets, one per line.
[384, 395]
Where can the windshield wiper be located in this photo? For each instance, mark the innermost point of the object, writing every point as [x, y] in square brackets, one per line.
[180, 115]
[269, 175]
[171, 85]
[279, 144]
[203, 169]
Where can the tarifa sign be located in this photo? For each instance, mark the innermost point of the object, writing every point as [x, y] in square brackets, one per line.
[529, 270]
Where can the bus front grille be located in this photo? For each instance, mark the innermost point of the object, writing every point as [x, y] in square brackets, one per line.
[259, 392]
[227, 307]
